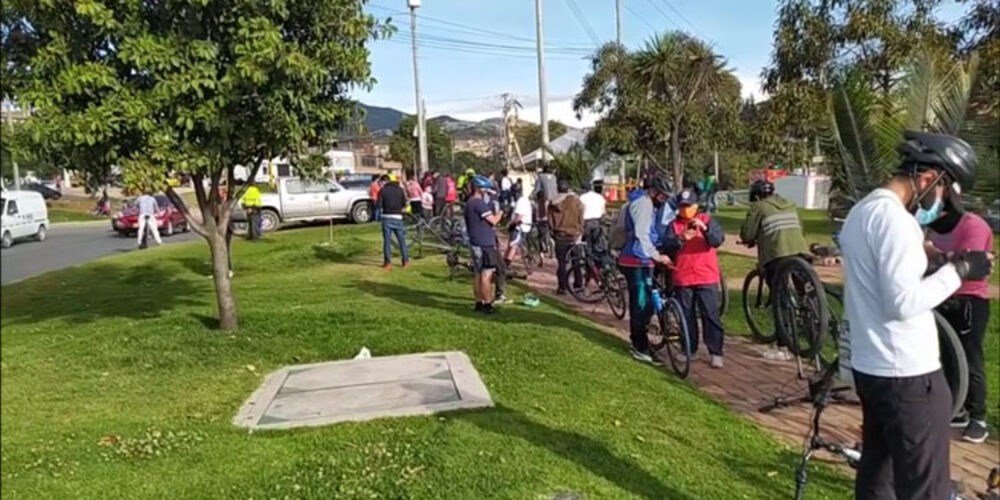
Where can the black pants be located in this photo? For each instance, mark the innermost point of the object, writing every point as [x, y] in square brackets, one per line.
[905, 432]
[500, 276]
[968, 316]
[563, 266]
[438, 206]
[253, 223]
[701, 303]
[415, 208]
[640, 304]
[543, 235]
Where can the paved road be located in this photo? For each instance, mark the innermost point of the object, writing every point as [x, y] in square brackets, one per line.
[66, 246]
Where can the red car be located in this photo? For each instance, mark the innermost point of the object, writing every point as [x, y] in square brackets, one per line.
[169, 220]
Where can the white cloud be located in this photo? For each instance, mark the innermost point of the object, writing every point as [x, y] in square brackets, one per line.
[751, 85]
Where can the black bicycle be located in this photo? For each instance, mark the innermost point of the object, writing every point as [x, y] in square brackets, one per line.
[669, 331]
[599, 277]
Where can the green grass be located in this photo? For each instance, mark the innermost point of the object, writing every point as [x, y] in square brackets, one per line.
[125, 347]
[815, 223]
[64, 215]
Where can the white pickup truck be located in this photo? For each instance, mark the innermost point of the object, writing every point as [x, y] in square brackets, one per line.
[302, 200]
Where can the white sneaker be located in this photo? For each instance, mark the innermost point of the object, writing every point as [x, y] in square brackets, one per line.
[644, 357]
[716, 362]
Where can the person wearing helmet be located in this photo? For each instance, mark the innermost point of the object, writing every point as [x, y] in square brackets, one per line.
[480, 219]
[772, 225]
[463, 184]
[638, 257]
[889, 295]
[968, 311]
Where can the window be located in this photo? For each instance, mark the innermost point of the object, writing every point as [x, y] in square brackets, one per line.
[319, 187]
[12, 208]
[294, 186]
[284, 170]
[369, 161]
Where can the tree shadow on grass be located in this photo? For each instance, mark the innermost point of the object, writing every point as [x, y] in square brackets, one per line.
[98, 291]
[509, 314]
[344, 254]
[577, 448]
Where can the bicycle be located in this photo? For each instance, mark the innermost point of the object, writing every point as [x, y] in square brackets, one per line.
[442, 232]
[668, 329]
[601, 279]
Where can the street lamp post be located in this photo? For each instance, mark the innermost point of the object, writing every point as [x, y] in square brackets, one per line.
[421, 123]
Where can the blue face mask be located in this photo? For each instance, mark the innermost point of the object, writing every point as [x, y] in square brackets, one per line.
[927, 215]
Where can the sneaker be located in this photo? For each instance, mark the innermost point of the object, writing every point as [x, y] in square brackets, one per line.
[976, 432]
[479, 307]
[501, 300]
[643, 356]
[489, 309]
[387, 266]
[406, 264]
[560, 292]
[961, 421]
[716, 362]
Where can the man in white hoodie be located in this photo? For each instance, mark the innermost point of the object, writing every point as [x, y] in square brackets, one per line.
[890, 292]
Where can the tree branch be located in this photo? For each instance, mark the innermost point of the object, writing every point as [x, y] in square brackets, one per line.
[178, 202]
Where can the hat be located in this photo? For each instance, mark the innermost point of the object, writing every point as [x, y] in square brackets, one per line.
[393, 178]
[687, 197]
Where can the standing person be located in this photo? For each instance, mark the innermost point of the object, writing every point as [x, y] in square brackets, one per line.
[566, 217]
[711, 190]
[520, 227]
[440, 190]
[147, 207]
[506, 185]
[500, 274]
[427, 180]
[638, 257]
[968, 310]
[392, 203]
[374, 190]
[889, 295]
[451, 192]
[415, 194]
[542, 221]
[480, 220]
[251, 205]
[594, 208]
[464, 184]
[427, 204]
[695, 237]
[516, 190]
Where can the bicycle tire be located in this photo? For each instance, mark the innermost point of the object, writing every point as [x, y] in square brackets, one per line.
[954, 364]
[807, 341]
[677, 337]
[723, 295]
[415, 240]
[760, 302]
[578, 261]
[617, 293]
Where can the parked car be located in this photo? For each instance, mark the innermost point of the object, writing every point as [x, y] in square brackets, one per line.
[169, 220]
[48, 192]
[302, 200]
[24, 216]
[356, 182]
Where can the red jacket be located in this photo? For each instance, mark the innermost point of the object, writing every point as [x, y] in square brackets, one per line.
[697, 262]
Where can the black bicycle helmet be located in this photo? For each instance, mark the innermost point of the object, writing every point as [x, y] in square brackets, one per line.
[660, 183]
[953, 155]
[761, 188]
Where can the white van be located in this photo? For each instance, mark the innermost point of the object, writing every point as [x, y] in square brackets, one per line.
[24, 216]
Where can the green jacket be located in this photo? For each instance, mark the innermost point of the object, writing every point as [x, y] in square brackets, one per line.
[773, 225]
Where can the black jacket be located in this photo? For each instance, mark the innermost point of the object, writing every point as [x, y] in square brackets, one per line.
[392, 199]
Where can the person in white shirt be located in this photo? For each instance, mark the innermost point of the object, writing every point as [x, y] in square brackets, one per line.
[147, 207]
[506, 185]
[594, 207]
[520, 226]
[889, 295]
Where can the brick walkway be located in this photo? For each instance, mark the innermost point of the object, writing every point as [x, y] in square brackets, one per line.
[750, 381]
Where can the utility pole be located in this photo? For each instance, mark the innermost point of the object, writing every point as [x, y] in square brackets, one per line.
[543, 102]
[618, 39]
[421, 124]
[13, 161]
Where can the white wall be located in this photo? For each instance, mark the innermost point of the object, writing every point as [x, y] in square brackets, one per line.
[810, 192]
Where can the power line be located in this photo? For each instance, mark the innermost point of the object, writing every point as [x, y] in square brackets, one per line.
[637, 16]
[682, 16]
[472, 44]
[582, 21]
[663, 13]
[499, 52]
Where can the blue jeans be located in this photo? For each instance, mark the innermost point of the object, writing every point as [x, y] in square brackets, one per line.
[389, 228]
[378, 214]
[701, 302]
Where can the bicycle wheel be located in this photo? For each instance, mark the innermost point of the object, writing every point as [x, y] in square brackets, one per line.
[802, 309]
[757, 308]
[723, 295]
[415, 240]
[677, 337]
[579, 263]
[953, 363]
[617, 293]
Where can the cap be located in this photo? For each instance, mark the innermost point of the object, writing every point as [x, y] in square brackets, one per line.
[687, 197]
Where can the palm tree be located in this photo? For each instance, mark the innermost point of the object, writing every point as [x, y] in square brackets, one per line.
[936, 94]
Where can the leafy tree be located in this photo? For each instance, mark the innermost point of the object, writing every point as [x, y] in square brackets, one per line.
[529, 135]
[660, 99]
[468, 159]
[191, 86]
[403, 145]
[576, 165]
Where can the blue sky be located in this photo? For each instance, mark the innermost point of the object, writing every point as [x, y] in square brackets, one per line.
[466, 80]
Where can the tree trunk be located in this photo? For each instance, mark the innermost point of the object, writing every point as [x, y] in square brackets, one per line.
[675, 155]
[223, 285]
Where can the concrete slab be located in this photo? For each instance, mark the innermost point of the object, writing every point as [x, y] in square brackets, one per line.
[364, 389]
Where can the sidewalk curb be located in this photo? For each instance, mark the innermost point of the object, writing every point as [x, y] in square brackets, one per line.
[81, 223]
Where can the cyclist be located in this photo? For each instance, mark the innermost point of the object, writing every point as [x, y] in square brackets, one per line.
[639, 255]
[480, 220]
[889, 296]
[968, 311]
[464, 186]
[594, 208]
[693, 237]
[566, 217]
[520, 226]
[546, 184]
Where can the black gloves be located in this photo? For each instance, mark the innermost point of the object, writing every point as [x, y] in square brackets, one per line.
[972, 265]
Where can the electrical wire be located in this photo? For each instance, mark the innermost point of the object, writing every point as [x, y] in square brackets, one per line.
[663, 13]
[581, 20]
[682, 16]
[637, 16]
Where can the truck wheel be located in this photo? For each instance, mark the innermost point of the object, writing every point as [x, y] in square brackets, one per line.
[8, 240]
[361, 212]
[40, 235]
[269, 220]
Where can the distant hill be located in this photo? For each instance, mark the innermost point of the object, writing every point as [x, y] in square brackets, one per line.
[378, 119]
[381, 122]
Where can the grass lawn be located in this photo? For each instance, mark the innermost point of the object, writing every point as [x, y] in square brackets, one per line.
[57, 214]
